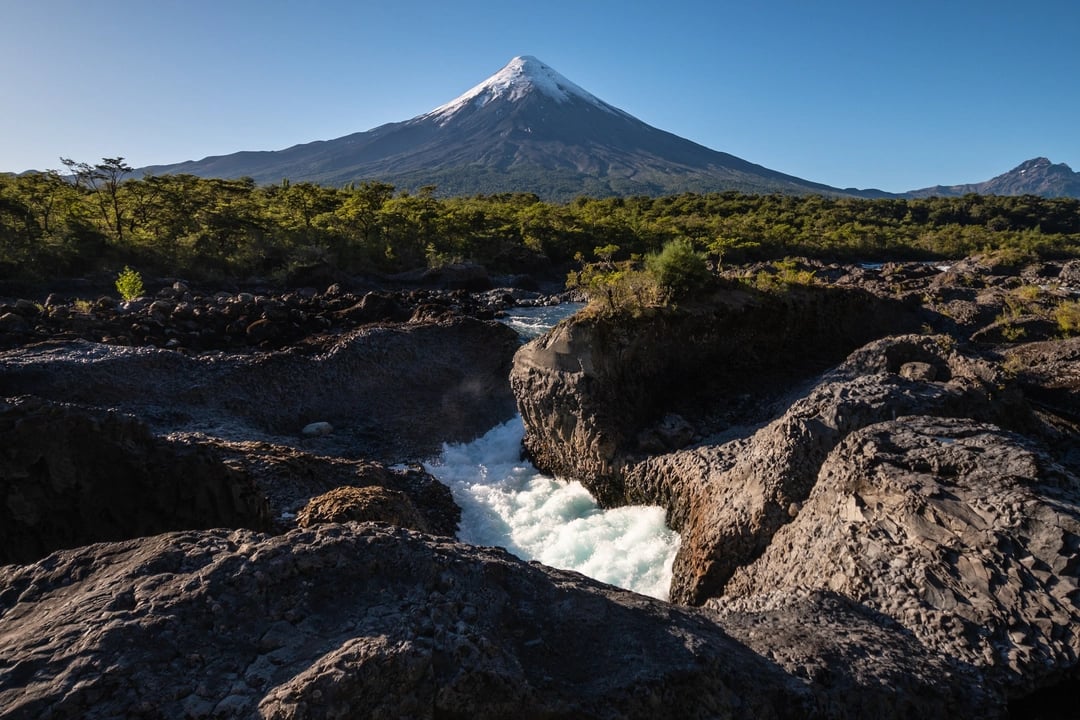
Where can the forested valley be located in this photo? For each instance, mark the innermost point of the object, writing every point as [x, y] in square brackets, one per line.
[97, 218]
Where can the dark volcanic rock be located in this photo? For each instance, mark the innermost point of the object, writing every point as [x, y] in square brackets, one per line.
[897, 536]
[373, 307]
[191, 321]
[728, 499]
[882, 517]
[912, 511]
[588, 389]
[71, 476]
[359, 621]
[366, 504]
[874, 667]
[291, 478]
[965, 536]
[397, 392]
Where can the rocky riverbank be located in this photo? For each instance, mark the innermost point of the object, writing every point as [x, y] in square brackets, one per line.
[876, 479]
[931, 479]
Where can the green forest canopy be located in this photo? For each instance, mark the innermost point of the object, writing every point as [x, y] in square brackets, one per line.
[95, 218]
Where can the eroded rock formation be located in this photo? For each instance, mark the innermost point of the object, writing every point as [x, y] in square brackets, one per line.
[358, 621]
[393, 392]
[588, 388]
[963, 535]
[874, 524]
[923, 490]
[71, 477]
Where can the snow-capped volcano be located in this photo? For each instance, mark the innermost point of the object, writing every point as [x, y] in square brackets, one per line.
[518, 78]
[524, 129]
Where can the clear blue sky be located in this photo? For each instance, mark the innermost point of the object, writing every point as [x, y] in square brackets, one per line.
[896, 95]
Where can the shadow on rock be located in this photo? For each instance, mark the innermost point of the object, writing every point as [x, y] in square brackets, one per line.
[71, 476]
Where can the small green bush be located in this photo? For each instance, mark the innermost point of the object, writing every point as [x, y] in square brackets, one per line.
[1028, 293]
[1012, 333]
[1067, 315]
[619, 288]
[786, 273]
[129, 284]
[678, 268]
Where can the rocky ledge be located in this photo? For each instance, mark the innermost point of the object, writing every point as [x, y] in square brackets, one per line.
[191, 320]
[928, 481]
[387, 391]
[878, 500]
[366, 621]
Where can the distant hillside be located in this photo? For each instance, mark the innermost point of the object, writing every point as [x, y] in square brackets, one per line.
[1035, 177]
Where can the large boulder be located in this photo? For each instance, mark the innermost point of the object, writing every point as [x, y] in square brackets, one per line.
[362, 504]
[728, 499]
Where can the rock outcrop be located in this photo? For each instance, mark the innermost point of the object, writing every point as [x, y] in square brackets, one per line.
[395, 392]
[71, 476]
[367, 504]
[728, 499]
[589, 388]
[188, 320]
[921, 495]
[874, 523]
[963, 535]
[359, 621]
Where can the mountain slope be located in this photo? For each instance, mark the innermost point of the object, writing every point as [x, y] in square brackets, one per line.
[526, 128]
[529, 129]
[1034, 177]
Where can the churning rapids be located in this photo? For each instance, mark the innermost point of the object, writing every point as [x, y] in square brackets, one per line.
[506, 502]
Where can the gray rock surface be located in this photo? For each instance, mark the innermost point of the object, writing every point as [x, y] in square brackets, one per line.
[867, 665]
[390, 392]
[912, 508]
[895, 537]
[71, 476]
[589, 388]
[358, 621]
[963, 535]
[728, 499]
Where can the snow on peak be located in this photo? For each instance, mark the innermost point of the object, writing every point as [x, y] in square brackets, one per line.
[521, 76]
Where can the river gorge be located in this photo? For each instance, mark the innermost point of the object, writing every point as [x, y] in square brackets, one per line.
[875, 492]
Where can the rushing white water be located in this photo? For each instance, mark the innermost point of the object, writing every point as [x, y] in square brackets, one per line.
[531, 322]
[506, 502]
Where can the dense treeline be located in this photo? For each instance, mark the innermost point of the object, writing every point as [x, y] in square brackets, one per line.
[93, 217]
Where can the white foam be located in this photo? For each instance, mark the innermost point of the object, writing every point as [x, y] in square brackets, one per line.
[532, 322]
[506, 502]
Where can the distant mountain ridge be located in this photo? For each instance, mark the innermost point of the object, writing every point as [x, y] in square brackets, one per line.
[529, 129]
[1037, 176]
